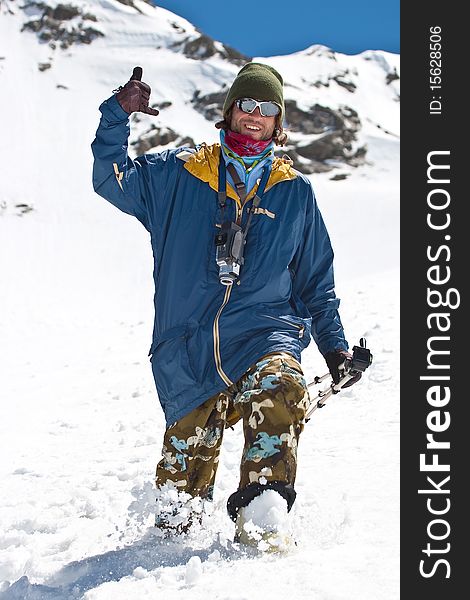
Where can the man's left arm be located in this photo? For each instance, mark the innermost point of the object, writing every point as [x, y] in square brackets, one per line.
[313, 281]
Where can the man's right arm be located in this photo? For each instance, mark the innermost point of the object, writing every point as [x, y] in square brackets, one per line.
[116, 177]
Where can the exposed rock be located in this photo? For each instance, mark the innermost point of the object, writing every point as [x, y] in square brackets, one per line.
[392, 76]
[330, 147]
[317, 120]
[131, 3]
[187, 141]
[44, 66]
[49, 26]
[349, 85]
[204, 47]
[8, 208]
[336, 131]
[177, 27]
[23, 209]
[341, 79]
[5, 7]
[64, 12]
[159, 136]
[318, 84]
[324, 148]
[234, 56]
[321, 119]
[320, 50]
[307, 166]
[358, 158]
[210, 105]
[391, 73]
[156, 136]
[382, 128]
[127, 2]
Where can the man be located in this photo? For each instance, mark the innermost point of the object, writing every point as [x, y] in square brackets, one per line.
[243, 280]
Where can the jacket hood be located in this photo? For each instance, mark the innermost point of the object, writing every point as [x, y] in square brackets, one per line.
[204, 164]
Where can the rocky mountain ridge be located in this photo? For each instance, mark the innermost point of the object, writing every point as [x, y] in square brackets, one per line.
[329, 97]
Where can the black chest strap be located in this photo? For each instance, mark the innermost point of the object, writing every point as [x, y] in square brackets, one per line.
[240, 186]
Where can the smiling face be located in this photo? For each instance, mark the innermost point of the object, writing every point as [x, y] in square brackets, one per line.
[254, 125]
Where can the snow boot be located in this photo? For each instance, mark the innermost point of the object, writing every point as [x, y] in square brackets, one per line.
[174, 524]
[264, 524]
[177, 512]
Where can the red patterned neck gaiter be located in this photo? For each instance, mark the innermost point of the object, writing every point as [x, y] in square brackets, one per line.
[243, 145]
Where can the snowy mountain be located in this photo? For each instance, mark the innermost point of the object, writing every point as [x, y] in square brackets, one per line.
[80, 425]
[331, 99]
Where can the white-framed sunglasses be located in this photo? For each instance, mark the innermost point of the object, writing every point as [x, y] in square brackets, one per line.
[267, 109]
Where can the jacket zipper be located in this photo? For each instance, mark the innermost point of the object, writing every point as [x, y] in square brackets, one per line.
[216, 335]
[239, 214]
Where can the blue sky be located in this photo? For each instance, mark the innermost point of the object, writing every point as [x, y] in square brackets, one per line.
[269, 27]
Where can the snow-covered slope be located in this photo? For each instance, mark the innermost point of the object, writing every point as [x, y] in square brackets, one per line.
[80, 424]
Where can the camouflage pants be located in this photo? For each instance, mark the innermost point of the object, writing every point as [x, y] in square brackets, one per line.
[271, 398]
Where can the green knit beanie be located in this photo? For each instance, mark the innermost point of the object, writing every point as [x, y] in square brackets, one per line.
[257, 81]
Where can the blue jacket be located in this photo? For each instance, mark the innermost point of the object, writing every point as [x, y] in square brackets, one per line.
[206, 335]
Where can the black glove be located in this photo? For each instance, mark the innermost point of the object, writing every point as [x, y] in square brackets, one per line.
[334, 360]
[135, 95]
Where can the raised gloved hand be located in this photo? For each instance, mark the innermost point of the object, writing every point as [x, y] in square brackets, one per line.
[334, 360]
[135, 95]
